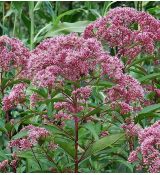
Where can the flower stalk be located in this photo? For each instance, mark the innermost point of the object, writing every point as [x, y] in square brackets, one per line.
[76, 145]
[31, 8]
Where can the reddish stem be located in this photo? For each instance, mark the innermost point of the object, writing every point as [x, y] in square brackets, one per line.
[76, 145]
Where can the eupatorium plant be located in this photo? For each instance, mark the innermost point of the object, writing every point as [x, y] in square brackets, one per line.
[74, 98]
[148, 154]
[130, 31]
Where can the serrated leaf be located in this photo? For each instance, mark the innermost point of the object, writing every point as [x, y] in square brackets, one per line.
[41, 92]
[66, 145]
[103, 143]
[55, 130]
[106, 84]
[91, 127]
[149, 77]
[93, 112]
[3, 154]
[149, 109]
[127, 164]
[3, 130]
[19, 135]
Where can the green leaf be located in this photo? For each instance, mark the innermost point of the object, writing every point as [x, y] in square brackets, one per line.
[69, 12]
[8, 126]
[55, 130]
[103, 143]
[26, 21]
[37, 6]
[13, 82]
[3, 154]
[93, 112]
[127, 164]
[105, 84]
[18, 5]
[41, 92]
[29, 155]
[2, 127]
[140, 60]
[108, 7]
[147, 111]
[51, 100]
[95, 13]
[65, 28]
[50, 109]
[97, 109]
[20, 135]
[149, 77]
[43, 30]
[91, 127]
[3, 130]
[9, 13]
[66, 144]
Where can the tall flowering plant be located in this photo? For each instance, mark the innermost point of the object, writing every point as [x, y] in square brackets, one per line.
[71, 99]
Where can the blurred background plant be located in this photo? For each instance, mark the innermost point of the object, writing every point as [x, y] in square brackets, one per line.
[34, 21]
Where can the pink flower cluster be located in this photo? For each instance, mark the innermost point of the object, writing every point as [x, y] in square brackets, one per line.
[52, 146]
[82, 93]
[104, 133]
[111, 66]
[127, 90]
[14, 164]
[34, 134]
[131, 129]
[157, 92]
[131, 31]
[34, 98]
[65, 109]
[67, 106]
[12, 53]
[21, 144]
[150, 88]
[72, 57]
[15, 97]
[69, 57]
[149, 140]
[3, 165]
[124, 107]
[62, 116]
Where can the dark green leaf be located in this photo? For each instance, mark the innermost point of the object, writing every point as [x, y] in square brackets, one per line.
[103, 143]
[149, 77]
[19, 135]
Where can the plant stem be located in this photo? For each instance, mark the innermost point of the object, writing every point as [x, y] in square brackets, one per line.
[3, 9]
[15, 21]
[76, 145]
[1, 80]
[31, 8]
[36, 159]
